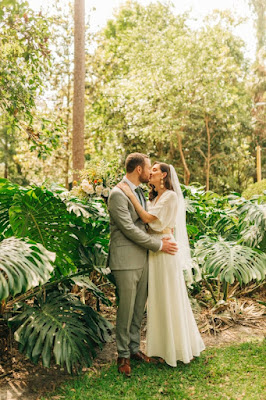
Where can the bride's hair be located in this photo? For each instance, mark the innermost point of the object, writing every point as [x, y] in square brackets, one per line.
[167, 180]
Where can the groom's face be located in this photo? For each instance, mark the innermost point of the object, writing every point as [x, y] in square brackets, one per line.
[145, 171]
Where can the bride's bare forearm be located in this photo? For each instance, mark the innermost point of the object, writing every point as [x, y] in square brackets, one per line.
[143, 214]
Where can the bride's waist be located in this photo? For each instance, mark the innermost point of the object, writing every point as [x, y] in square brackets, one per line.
[163, 232]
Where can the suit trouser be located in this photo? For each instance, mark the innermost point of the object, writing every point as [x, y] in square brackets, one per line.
[132, 287]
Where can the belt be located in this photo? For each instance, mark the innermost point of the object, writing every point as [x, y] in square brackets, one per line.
[166, 230]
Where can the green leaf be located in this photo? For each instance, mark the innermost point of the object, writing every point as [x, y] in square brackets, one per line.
[60, 325]
[24, 264]
[40, 215]
[230, 261]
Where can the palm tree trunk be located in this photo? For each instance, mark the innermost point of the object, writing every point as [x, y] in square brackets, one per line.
[6, 154]
[67, 131]
[79, 88]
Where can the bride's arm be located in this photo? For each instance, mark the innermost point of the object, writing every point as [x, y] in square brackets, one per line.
[143, 214]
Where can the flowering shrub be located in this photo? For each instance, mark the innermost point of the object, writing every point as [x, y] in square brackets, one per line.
[98, 179]
[95, 186]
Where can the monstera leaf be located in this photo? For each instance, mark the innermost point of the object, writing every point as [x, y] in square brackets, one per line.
[38, 214]
[229, 260]
[252, 223]
[60, 325]
[23, 264]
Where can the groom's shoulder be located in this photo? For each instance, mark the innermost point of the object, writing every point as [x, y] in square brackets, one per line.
[115, 190]
[116, 198]
[115, 193]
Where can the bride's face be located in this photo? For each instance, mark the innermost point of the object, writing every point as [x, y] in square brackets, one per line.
[156, 175]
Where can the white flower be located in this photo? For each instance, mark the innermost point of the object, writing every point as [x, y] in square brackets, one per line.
[106, 192]
[86, 186]
[99, 190]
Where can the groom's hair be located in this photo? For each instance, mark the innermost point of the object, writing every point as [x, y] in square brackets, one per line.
[133, 160]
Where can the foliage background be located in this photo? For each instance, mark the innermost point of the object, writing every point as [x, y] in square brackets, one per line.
[184, 95]
[189, 96]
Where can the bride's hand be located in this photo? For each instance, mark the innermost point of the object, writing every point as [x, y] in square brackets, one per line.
[126, 189]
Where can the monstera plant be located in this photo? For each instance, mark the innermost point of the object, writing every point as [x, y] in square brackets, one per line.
[227, 237]
[49, 241]
[230, 261]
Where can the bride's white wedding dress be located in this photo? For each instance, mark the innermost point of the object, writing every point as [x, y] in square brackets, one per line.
[172, 332]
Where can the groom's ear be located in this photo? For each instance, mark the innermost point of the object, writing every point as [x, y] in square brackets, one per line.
[139, 169]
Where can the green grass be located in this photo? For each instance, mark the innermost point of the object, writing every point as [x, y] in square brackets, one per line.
[234, 373]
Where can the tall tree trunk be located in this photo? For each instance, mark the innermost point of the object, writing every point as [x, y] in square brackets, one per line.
[186, 170]
[259, 8]
[208, 158]
[172, 148]
[67, 131]
[67, 162]
[79, 88]
[5, 153]
[6, 170]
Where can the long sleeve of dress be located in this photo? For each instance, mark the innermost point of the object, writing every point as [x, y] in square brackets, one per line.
[165, 210]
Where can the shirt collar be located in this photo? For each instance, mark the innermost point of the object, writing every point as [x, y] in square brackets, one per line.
[130, 184]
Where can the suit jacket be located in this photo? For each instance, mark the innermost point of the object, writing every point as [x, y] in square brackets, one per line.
[129, 240]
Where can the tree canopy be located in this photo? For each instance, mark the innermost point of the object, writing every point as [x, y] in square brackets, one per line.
[160, 87]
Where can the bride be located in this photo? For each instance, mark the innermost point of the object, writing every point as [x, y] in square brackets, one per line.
[172, 332]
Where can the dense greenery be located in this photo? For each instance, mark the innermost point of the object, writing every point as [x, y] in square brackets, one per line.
[188, 96]
[255, 189]
[234, 372]
[176, 93]
[227, 236]
[154, 84]
[24, 58]
[50, 241]
[24, 69]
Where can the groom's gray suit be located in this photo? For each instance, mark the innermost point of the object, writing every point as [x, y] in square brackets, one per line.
[128, 260]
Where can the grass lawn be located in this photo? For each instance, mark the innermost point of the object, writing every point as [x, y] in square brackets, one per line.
[235, 372]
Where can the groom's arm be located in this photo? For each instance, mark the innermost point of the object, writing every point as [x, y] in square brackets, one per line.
[118, 208]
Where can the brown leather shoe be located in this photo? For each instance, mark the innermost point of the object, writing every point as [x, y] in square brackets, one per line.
[123, 365]
[139, 356]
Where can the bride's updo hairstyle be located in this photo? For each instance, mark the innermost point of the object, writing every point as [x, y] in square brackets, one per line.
[167, 180]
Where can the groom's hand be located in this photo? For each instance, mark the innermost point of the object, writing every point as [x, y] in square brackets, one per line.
[169, 246]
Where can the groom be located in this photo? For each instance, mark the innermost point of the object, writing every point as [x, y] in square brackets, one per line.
[128, 260]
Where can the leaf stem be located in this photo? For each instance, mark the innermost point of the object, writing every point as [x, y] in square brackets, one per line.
[211, 290]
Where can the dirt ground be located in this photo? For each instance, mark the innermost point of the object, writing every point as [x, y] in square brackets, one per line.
[22, 380]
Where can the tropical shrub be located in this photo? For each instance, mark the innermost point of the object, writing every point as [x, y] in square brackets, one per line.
[98, 179]
[227, 237]
[255, 189]
[23, 264]
[49, 241]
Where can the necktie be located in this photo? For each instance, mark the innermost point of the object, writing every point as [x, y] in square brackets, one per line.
[140, 196]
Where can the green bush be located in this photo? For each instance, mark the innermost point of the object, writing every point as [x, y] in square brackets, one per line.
[227, 238]
[255, 189]
[49, 241]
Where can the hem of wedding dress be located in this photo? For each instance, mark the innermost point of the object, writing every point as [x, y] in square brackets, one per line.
[175, 365]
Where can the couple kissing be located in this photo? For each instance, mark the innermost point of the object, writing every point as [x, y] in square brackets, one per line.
[148, 253]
